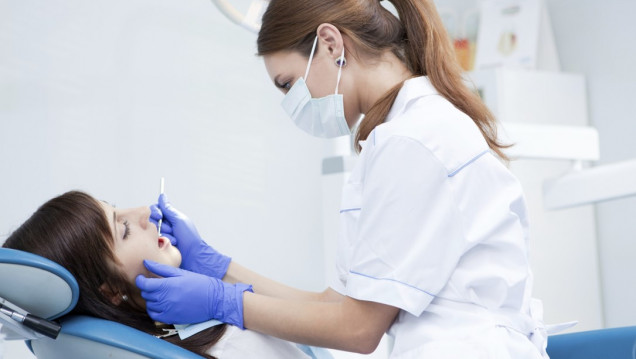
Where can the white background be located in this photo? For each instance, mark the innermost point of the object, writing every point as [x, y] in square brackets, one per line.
[108, 96]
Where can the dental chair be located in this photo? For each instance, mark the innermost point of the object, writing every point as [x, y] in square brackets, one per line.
[610, 343]
[35, 285]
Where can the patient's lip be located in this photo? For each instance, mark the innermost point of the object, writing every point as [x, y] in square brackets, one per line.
[163, 242]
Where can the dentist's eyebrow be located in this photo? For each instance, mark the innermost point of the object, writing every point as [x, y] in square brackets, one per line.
[276, 83]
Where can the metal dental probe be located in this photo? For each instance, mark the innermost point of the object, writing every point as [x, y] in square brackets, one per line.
[161, 184]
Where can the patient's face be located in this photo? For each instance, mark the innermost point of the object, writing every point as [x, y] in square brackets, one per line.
[136, 239]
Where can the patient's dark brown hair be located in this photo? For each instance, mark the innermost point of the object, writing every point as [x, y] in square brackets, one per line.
[73, 231]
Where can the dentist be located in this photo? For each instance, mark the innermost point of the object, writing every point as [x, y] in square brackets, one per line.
[433, 245]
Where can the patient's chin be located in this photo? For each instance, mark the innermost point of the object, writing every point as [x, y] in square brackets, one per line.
[175, 257]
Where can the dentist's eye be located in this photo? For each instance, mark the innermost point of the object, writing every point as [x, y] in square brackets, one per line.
[284, 86]
[127, 229]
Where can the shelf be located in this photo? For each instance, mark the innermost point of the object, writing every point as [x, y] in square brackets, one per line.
[540, 141]
[596, 184]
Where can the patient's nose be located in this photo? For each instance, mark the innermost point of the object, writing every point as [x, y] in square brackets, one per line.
[144, 216]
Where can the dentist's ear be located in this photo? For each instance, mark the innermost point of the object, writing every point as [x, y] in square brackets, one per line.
[114, 296]
[330, 39]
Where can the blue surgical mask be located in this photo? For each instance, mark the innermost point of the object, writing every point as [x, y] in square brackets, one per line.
[321, 117]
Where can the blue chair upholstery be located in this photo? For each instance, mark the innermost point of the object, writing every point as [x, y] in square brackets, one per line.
[83, 337]
[611, 343]
[38, 285]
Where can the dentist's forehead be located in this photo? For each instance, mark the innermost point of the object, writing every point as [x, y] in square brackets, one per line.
[284, 62]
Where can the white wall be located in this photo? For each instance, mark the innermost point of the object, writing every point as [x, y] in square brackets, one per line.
[107, 96]
[598, 39]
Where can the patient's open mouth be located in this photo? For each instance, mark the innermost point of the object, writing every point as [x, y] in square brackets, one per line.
[162, 242]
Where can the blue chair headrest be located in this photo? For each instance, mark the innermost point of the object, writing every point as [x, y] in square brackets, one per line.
[36, 284]
[44, 288]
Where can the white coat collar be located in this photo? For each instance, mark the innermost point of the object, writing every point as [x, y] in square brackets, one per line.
[412, 89]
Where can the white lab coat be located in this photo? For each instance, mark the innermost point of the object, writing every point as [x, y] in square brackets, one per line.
[434, 224]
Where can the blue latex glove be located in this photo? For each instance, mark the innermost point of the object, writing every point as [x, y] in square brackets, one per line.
[183, 297]
[197, 256]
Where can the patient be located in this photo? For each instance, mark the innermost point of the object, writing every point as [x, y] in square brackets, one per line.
[104, 248]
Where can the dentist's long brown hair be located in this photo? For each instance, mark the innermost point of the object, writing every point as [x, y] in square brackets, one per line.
[417, 37]
[73, 231]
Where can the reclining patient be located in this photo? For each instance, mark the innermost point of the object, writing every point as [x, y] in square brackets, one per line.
[104, 247]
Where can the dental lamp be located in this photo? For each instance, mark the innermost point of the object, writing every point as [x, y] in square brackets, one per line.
[246, 13]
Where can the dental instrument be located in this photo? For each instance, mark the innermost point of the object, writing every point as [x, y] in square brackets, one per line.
[161, 185]
[39, 325]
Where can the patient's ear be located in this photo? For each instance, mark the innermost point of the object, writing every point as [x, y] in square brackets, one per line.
[111, 294]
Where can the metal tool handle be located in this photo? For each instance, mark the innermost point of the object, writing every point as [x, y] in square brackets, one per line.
[39, 325]
[42, 326]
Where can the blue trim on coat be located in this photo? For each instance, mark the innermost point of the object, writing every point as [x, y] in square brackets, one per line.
[467, 163]
[392, 280]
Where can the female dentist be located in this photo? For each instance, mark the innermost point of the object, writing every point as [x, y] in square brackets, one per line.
[433, 240]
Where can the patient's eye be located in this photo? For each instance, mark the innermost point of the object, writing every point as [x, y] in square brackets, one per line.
[127, 229]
